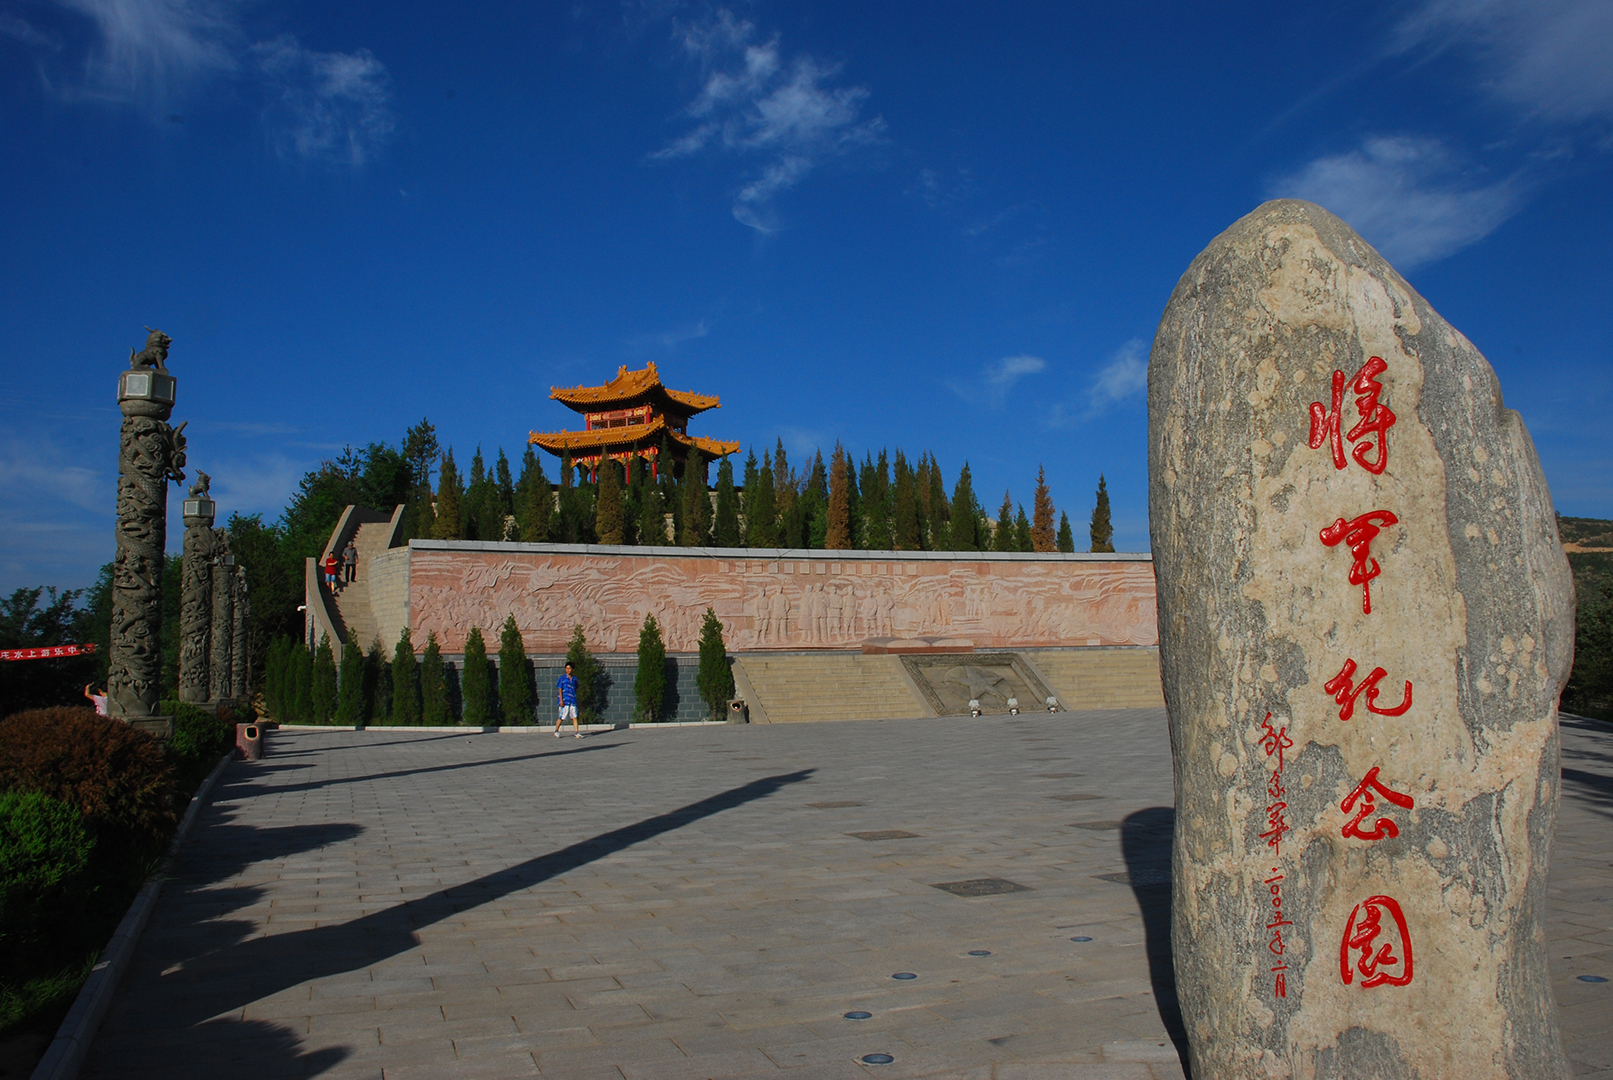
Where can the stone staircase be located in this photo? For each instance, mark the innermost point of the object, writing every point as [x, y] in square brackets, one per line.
[353, 600]
[801, 687]
[1100, 678]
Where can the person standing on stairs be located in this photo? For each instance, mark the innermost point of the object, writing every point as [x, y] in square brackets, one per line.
[330, 572]
[349, 563]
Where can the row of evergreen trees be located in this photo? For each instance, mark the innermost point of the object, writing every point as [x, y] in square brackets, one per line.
[303, 686]
[888, 503]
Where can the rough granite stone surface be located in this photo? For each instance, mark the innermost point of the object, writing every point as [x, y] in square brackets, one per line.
[1398, 933]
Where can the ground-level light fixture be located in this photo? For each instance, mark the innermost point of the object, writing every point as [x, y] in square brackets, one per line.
[1013, 706]
[1052, 704]
[974, 706]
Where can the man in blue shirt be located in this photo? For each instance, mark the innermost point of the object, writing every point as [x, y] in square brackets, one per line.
[566, 687]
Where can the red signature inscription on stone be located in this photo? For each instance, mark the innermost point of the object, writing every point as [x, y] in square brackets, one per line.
[1367, 793]
[1358, 534]
[1377, 963]
[1373, 425]
[1275, 943]
[1342, 687]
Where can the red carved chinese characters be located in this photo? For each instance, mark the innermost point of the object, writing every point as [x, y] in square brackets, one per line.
[1276, 943]
[1375, 419]
[1345, 692]
[1367, 792]
[1378, 964]
[1274, 741]
[1358, 535]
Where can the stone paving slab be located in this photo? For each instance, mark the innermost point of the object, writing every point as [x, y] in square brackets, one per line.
[667, 904]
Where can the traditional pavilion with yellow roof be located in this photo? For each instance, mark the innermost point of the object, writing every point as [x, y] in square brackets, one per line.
[632, 416]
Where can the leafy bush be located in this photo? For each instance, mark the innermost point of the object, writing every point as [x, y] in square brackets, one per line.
[587, 671]
[514, 675]
[716, 678]
[649, 685]
[120, 779]
[199, 735]
[45, 857]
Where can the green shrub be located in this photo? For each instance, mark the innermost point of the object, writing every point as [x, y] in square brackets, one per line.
[322, 692]
[45, 858]
[475, 680]
[434, 704]
[514, 675]
[199, 735]
[587, 671]
[405, 682]
[120, 779]
[649, 685]
[350, 696]
[716, 678]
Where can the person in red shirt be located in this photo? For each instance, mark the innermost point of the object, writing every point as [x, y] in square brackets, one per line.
[330, 572]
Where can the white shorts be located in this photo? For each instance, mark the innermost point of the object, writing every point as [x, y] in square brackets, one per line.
[567, 712]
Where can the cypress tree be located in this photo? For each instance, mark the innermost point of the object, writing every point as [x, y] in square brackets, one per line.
[747, 499]
[1103, 533]
[649, 685]
[854, 504]
[716, 678]
[377, 684]
[303, 707]
[1002, 532]
[322, 696]
[350, 687]
[474, 512]
[837, 536]
[420, 451]
[434, 710]
[725, 525]
[405, 683]
[1023, 540]
[1042, 536]
[586, 670]
[633, 500]
[609, 524]
[786, 492]
[504, 498]
[905, 532]
[534, 500]
[446, 525]
[877, 504]
[696, 524]
[514, 676]
[652, 519]
[815, 504]
[964, 528]
[940, 511]
[762, 513]
[1066, 535]
[475, 681]
[563, 529]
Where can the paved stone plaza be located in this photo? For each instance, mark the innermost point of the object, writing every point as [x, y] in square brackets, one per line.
[710, 902]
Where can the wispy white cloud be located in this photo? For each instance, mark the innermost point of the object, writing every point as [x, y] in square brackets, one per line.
[1550, 57]
[1409, 197]
[14, 26]
[1123, 377]
[670, 339]
[753, 103]
[152, 52]
[261, 484]
[998, 379]
[327, 106]
[330, 107]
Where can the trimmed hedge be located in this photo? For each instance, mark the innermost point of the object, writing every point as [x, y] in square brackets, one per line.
[120, 779]
[45, 859]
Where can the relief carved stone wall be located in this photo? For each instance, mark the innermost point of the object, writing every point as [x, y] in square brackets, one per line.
[777, 603]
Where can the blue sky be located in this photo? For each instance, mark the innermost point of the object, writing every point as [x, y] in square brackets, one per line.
[936, 225]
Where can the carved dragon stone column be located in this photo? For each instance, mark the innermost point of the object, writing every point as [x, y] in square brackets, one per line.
[196, 593]
[240, 646]
[150, 453]
[221, 666]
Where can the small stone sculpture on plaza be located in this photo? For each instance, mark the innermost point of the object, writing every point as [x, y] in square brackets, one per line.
[150, 454]
[1365, 619]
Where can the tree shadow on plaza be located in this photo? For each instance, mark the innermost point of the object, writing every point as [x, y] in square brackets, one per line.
[229, 971]
[1595, 789]
[241, 779]
[1145, 843]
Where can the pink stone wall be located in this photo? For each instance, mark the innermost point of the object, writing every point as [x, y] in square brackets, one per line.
[775, 602]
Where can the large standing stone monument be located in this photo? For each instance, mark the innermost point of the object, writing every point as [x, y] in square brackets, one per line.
[1365, 618]
[150, 453]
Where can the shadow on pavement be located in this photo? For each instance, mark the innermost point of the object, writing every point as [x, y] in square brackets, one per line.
[239, 778]
[1595, 788]
[1145, 842]
[230, 970]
